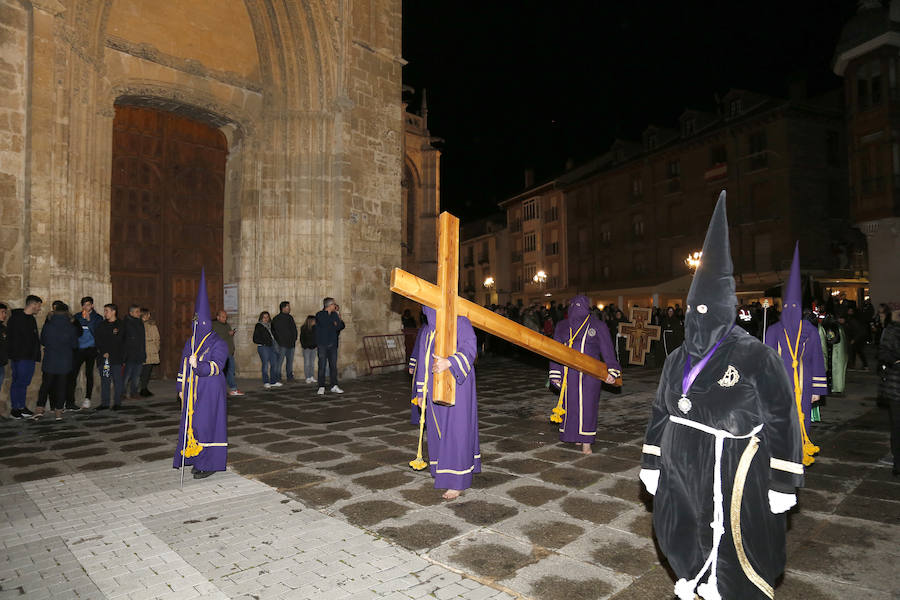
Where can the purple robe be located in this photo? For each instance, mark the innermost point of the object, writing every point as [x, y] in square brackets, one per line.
[582, 395]
[452, 431]
[810, 361]
[210, 418]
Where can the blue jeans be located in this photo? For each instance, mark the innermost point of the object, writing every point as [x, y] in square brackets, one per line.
[268, 361]
[309, 363]
[287, 352]
[22, 372]
[2, 374]
[132, 377]
[115, 376]
[229, 372]
[328, 357]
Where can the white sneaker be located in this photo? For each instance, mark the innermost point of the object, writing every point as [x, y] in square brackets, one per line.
[336, 389]
[267, 386]
[310, 380]
[277, 384]
[321, 391]
[86, 403]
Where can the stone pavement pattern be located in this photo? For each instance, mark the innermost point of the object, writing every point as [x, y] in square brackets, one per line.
[93, 508]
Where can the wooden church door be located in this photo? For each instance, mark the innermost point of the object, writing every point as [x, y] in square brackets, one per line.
[166, 219]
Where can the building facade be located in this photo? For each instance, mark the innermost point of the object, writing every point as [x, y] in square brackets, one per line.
[868, 58]
[484, 261]
[628, 219]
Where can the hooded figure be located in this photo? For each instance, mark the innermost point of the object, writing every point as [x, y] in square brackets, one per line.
[202, 435]
[798, 343]
[453, 449]
[579, 393]
[722, 450]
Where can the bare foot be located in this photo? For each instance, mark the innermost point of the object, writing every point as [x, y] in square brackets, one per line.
[586, 449]
[451, 494]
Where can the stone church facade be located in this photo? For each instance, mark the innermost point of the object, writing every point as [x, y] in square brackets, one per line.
[299, 104]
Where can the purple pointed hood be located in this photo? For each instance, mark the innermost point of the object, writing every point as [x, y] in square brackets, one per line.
[792, 301]
[579, 309]
[201, 309]
[430, 316]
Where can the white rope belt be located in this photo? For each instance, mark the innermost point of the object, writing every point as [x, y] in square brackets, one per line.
[708, 591]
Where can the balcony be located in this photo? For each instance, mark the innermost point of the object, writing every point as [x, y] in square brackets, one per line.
[551, 249]
[484, 259]
[515, 226]
[551, 215]
[516, 257]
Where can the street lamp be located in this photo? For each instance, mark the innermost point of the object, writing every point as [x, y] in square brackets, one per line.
[693, 260]
[540, 277]
[489, 282]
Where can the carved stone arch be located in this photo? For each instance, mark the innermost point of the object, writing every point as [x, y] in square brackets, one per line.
[186, 101]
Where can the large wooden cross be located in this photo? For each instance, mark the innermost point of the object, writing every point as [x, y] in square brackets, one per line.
[444, 299]
[638, 335]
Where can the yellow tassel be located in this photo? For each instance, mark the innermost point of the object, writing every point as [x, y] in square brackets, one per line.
[809, 449]
[559, 411]
[192, 447]
[418, 463]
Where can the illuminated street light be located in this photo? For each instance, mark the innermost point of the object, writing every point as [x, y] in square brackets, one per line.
[540, 277]
[489, 282]
[693, 260]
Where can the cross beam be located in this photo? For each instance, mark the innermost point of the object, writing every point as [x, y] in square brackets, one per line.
[449, 305]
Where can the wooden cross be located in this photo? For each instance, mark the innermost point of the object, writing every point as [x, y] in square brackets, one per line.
[444, 299]
[638, 335]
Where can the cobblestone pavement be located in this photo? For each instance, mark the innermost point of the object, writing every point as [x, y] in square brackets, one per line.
[319, 502]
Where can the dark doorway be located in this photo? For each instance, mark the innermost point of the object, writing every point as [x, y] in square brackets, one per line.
[166, 219]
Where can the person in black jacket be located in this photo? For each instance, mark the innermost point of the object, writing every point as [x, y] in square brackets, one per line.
[265, 345]
[110, 337]
[135, 351]
[328, 326]
[47, 379]
[60, 340]
[284, 328]
[24, 346]
[308, 343]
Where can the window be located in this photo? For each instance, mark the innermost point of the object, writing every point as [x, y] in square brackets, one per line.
[652, 140]
[469, 260]
[638, 264]
[673, 169]
[868, 84]
[530, 210]
[759, 156]
[483, 256]
[718, 155]
[552, 213]
[637, 226]
[530, 241]
[606, 233]
[530, 270]
[832, 149]
[689, 127]
[735, 107]
[637, 187]
[552, 249]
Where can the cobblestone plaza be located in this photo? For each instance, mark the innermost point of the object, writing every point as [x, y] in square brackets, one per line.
[319, 502]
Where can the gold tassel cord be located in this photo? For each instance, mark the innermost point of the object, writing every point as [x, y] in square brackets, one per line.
[560, 410]
[809, 449]
[192, 446]
[418, 463]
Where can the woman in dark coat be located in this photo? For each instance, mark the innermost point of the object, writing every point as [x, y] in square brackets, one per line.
[889, 358]
[59, 339]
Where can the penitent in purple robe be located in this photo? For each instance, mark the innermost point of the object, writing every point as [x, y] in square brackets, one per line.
[452, 431]
[810, 371]
[588, 335]
[210, 417]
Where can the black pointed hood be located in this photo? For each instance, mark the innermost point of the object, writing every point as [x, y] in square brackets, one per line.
[711, 300]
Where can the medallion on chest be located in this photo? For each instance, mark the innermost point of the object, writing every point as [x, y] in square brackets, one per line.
[730, 377]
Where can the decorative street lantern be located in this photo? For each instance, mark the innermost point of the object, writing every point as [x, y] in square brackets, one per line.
[693, 260]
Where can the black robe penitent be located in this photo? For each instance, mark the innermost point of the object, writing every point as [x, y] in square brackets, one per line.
[743, 386]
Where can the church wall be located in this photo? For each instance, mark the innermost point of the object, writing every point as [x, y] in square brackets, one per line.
[14, 27]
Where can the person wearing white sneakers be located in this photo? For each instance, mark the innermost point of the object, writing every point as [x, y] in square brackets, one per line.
[265, 345]
[328, 325]
[308, 343]
[226, 334]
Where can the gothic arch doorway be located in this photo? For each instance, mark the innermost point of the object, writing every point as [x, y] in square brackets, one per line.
[166, 218]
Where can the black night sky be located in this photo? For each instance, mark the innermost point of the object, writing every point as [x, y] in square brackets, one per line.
[519, 84]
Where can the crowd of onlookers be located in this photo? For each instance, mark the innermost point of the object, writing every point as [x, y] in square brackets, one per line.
[319, 336]
[123, 351]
